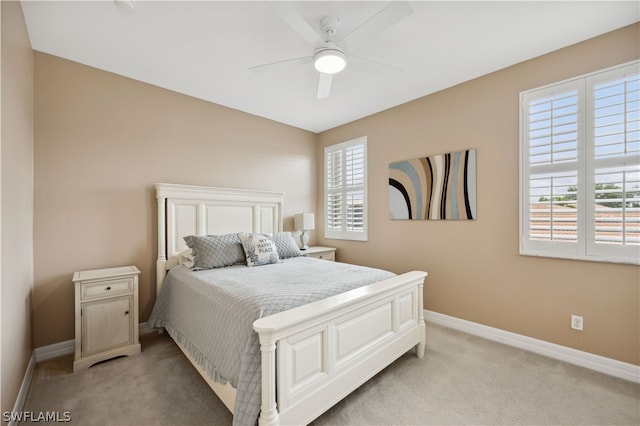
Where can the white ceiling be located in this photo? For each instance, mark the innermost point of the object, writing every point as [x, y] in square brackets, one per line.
[204, 48]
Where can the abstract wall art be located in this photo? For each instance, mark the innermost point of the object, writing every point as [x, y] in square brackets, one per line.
[435, 187]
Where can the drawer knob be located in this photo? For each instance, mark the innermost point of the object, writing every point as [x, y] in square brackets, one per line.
[108, 288]
[126, 313]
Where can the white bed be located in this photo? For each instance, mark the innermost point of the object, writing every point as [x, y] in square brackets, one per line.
[313, 355]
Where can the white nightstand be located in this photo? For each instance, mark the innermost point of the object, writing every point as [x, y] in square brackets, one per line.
[106, 304]
[326, 253]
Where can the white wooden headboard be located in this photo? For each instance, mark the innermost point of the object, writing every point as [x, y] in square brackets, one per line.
[200, 210]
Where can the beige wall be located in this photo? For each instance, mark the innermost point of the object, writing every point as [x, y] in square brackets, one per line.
[102, 141]
[475, 272]
[16, 230]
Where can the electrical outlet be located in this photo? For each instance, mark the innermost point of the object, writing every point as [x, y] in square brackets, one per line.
[577, 322]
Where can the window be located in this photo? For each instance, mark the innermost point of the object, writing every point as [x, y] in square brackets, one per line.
[345, 189]
[580, 167]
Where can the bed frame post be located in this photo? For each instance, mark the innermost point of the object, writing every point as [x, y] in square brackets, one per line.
[268, 408]
[161, 262]
[420, 348]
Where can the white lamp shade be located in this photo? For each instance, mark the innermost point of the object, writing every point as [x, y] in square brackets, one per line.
[304, 221]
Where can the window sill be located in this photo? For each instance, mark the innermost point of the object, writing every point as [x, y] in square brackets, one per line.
[617, 260]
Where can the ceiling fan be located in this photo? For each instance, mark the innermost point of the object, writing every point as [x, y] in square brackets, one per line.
[332, 50]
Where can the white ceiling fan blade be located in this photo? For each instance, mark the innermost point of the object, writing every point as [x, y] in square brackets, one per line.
[393, 13]
[292, 18]
[324, 85]
[281, 64]
[373, 67]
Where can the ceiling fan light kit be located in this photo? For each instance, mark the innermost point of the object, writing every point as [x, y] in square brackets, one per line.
[329, 60]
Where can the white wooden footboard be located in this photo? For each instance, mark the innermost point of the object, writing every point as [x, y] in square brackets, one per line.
[316, 354]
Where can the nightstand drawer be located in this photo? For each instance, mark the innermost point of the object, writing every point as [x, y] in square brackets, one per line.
[320, 252]
[106, 288]
[324, 256]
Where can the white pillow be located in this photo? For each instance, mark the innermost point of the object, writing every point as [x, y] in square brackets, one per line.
[186, 258]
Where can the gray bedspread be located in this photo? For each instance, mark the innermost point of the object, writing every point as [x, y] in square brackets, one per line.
[211, 313]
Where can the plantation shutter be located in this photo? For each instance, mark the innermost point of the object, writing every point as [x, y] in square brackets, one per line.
[615, 160]
[345, 190]
[335, 200]
[552, 122]
[580, 168]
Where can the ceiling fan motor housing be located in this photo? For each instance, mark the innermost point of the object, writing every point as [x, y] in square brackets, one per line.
[330, 26]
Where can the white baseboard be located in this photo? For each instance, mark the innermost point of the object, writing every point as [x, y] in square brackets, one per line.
[145, 328]
[55, 350]
[69, 346]
[598, 363]
[24, 388]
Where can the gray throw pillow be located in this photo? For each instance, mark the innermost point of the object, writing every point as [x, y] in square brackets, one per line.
[286, 245]
[215, 251]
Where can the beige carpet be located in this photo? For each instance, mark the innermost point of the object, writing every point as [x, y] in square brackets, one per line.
[463, 380]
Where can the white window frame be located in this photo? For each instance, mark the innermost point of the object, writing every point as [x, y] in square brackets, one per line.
[585, 247]
[344, 234]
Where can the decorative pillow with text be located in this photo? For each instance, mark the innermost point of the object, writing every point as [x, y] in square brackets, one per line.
[259, 249]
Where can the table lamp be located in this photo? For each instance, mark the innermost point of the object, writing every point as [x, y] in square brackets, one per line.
[304, 222]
